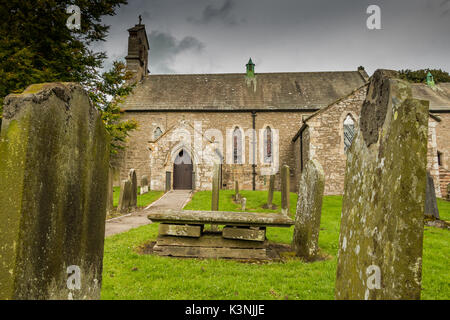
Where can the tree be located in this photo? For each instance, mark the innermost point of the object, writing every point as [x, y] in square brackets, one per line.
[420, 76]
[36, 46]
[107, 92]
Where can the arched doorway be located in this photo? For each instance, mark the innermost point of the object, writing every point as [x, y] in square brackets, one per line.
[182, 171]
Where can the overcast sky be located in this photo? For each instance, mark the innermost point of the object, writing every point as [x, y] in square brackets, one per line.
[219, 36]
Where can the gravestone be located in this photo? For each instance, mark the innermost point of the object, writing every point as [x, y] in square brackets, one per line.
[125, 196]
[431, 208]
[144, 185]
[381, 236]
[269, 204]
[243, 203]
[309, 211]
[54, 160]
[285, 189]
[215, 192]
[134, 188]
[110, 200]
[237, 196]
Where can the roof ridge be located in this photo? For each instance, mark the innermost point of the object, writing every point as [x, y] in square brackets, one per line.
[243, 73]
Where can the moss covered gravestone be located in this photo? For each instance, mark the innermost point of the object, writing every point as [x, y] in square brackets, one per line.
[144, 185]
[134, 188]
[54, 160]
[309, 211]
[381, 237]
[269, 204]
[285, 190]
[431, 208]
[125, 196]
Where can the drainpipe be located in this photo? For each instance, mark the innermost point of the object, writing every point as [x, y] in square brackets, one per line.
[254, 149]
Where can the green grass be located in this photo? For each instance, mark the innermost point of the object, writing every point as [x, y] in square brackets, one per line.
[129, 275]
[142, 200]
[444, 209]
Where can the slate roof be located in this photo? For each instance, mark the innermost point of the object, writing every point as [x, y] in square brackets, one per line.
[439, 96]
[236, 92]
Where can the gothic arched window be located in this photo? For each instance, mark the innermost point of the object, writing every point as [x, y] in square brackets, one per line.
[349, 132]
[157, 133]
[237, 146]
[268, 145]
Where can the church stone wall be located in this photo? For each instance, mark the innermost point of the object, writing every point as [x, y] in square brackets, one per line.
[326, 139]
[443, 139]
[137, 155]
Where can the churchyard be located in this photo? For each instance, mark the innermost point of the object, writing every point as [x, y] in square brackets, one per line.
[129, 274]
[374, 242]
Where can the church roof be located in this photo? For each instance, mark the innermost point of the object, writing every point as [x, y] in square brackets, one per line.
[236, 92]
[439, 95]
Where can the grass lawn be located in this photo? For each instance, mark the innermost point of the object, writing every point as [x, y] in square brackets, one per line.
[129, 275]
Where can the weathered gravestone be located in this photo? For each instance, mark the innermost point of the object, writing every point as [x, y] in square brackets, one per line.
[243, 203]
[134, 188]
[54, 160]
[215, 192]
[431, 208]
[125, 196]
[215, 188]
[269, 204]
[110, 200]
[144, 185]
[381, 237]
[237, 196]
[285, 189]
[448, 192]
[309, 211]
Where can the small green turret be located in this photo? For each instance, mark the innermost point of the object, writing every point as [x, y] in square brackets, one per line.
[250, 69]
[430, 80]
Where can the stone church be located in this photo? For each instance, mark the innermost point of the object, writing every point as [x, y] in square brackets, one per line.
[252, 123]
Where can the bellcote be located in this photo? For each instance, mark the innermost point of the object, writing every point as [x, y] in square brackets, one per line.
[250, 69]
[430, 80]
[138, 49]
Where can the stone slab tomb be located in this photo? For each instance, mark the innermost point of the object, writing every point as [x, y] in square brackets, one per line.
[381, 236]
[54, 163]
[182, 233]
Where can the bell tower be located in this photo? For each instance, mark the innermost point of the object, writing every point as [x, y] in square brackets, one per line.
[138, 49]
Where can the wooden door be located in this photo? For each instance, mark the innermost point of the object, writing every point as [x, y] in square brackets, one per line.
[182, 172]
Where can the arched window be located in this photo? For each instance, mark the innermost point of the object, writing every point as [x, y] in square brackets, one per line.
[268, 138]
[237, 146]
[349, 132]
[157, 133]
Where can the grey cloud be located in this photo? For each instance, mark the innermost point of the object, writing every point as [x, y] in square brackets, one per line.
[212, 13]
[445, 5]
[164, 48]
